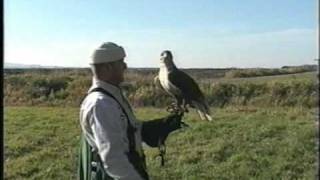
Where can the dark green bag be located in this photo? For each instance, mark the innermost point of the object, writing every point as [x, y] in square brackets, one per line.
[87, 170]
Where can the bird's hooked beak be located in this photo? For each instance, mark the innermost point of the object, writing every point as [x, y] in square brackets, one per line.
[166, 56]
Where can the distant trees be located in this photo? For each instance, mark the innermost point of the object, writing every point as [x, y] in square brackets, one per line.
[256, 72]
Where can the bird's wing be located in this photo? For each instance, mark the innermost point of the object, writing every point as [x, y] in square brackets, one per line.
[186, 84]
[191, 91]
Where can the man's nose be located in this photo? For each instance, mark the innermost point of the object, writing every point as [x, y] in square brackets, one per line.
[125, 65]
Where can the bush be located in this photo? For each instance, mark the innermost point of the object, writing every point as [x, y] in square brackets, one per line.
[77, 89]
[69, 88]
[256, 72]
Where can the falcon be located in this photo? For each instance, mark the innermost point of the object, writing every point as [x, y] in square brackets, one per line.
[181, 86]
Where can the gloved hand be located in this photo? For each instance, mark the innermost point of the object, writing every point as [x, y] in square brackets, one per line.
[155, 132]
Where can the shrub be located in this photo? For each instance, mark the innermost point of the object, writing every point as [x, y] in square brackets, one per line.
[255, 72]
[69, 87]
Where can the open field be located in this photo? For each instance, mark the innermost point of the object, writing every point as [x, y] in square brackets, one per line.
[240, 143]
[264, 127]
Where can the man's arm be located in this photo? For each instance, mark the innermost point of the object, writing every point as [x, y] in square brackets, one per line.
[111, 140]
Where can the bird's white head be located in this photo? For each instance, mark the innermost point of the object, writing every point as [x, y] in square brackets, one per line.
[167, 60]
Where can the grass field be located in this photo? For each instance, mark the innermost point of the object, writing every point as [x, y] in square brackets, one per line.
[241, 143]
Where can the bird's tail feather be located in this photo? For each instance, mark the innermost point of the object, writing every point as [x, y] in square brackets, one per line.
[203, 111]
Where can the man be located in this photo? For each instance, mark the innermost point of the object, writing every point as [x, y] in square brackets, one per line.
[111, 144]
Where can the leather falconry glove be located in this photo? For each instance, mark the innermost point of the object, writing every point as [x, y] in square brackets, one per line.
[158, 129]
[155, 132]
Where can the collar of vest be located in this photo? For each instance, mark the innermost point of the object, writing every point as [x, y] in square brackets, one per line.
[114, 90]
[117, 93]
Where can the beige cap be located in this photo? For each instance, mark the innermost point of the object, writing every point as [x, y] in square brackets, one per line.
[107, 52]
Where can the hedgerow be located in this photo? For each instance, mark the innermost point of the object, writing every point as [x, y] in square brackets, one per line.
[67, 88]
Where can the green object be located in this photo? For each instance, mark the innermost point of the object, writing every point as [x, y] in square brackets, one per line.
[86, 169]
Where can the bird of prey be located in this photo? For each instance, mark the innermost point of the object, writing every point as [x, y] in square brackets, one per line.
[181, 86]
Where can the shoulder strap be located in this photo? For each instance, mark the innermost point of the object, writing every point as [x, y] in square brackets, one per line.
[135, 159]
[131, 129]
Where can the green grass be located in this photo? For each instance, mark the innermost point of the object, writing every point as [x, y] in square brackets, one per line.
[240, 143]
[40, 143]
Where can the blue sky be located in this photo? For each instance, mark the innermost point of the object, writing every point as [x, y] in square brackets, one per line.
[201, 34]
